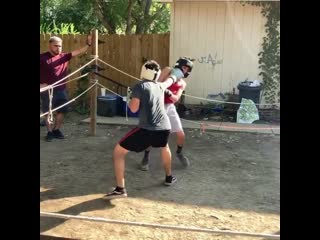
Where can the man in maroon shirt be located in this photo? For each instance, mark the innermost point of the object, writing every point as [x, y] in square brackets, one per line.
[53, 67]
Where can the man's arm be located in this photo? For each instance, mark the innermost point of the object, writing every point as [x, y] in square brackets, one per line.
[134, 98]
[175, 75]
[165, 73]
[168, 82]
[83, 49]
[134, 105]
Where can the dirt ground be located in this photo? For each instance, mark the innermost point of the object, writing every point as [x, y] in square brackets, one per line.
[233, 183]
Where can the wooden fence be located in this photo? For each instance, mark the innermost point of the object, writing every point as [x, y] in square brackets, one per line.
[125, 52]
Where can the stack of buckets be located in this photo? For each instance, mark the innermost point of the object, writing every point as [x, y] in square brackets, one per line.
[109, 105]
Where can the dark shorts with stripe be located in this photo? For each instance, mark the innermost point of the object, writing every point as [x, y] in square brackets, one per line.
[59, 98]
[139, 139]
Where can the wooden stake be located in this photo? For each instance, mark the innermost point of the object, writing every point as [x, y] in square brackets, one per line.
[94, 90]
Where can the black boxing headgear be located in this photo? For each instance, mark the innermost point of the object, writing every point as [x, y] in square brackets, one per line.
[184, 62]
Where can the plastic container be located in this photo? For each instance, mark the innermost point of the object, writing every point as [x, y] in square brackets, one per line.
[107, 105]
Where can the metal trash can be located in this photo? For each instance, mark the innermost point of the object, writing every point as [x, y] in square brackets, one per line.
[249, 92]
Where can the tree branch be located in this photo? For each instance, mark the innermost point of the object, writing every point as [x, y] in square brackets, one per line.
[99, 10]
[129, 17]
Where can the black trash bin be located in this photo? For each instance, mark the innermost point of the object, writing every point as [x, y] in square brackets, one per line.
[107, 105]
[252, 93]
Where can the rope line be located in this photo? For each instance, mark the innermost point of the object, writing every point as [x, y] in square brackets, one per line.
[187, 95]
[72, 100]
[119, 70]
[164, 226]
[50, 93]
[219, 101]
[46, 88]
[203, 124]
[71, 80]
[109, 90]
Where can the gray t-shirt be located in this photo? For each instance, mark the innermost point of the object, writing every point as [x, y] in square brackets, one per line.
[152, 114]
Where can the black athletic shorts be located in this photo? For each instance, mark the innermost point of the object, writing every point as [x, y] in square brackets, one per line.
[139, 139]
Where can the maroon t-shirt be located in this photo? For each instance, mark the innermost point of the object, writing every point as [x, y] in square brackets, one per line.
[54, 68]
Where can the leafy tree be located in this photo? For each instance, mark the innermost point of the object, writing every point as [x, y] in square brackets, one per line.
[111, 16]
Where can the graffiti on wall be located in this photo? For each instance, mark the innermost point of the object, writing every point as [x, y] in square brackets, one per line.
[210, 60]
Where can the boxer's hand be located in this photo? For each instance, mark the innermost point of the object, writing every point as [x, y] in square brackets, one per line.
[168, 93]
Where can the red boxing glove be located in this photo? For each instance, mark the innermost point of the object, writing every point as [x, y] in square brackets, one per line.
[168, 93]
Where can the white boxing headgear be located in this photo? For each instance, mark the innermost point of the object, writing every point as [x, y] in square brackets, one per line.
[150, 71]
